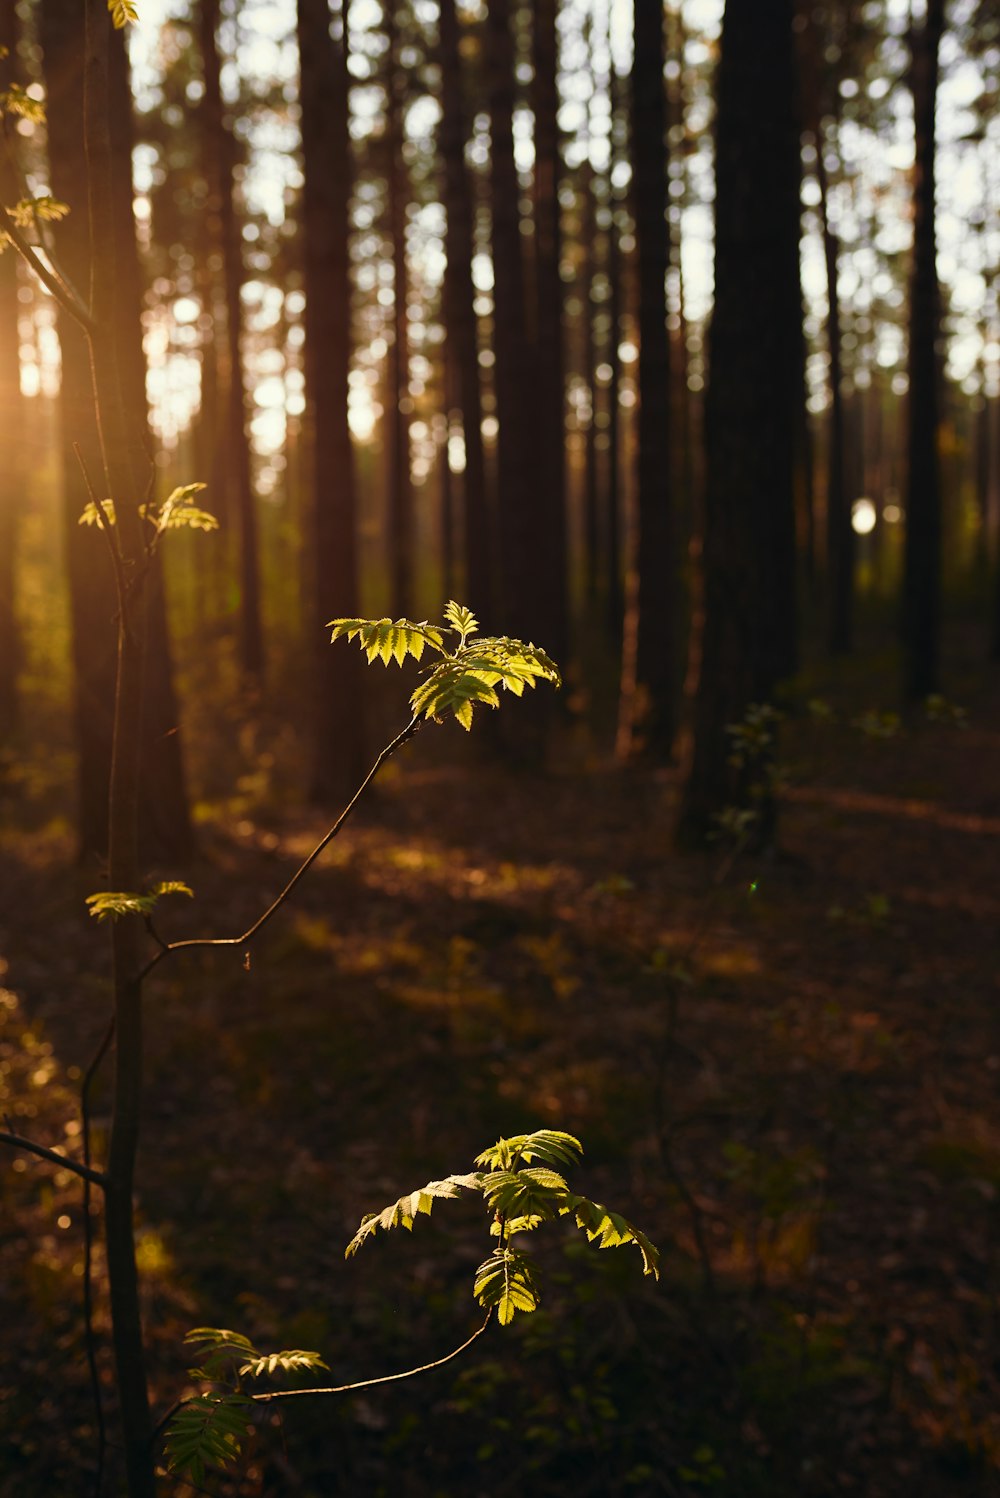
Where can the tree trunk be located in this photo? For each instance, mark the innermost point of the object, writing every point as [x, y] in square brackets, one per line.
[655, 560]
[752, 352]
[400, 496]
[840, 546]
[460, 317]
[220, 154]
[551, 602]
[326, 151]
[11, 478]
[922, 555]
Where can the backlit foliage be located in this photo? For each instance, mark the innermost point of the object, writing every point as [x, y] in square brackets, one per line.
[464, 676]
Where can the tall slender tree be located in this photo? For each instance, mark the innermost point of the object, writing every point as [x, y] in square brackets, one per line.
[460, 314]
[551, 602]
[752, 361]
[222, 218]
[655, 560]
[10, 397]
[400, 496]
[326, 152]
[922, 563]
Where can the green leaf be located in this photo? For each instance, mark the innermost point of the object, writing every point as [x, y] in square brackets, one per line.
[123, 13]
[177, 512]
[474, 672]
[404, 1212]
[505, 1281]
[49, 209]
[17, 101]
[550, 1145]
[210, 1428]
[288, 1362]
[110, 904]
[462, 620]
[389, 639]
[91, 516]
[531, 1192]
[609, 1230]
[452, 690]
[173, 887]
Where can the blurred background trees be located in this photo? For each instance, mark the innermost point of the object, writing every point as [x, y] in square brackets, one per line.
[426, 295]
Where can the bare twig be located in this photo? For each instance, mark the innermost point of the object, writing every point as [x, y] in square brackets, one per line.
[64, 295]
[90, 1339]
[387, 1378]
[276, 904]
[18, 1142]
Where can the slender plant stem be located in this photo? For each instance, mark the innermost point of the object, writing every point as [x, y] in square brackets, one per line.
[18, 1142]
[364, 1383]
[66, 298]
[247, 936]
[90, 1339]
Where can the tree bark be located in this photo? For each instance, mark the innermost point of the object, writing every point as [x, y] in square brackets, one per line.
[551, 602]
[655, 558]
[400, 515]
[221, 154]
[752, 352]
[922, 554]
[326, 151]
[11, 478]
[460, 318]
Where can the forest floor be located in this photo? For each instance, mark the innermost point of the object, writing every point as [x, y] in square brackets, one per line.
[785, 1070]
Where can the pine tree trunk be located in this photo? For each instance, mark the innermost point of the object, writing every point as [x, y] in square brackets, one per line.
[551, 602]
[460, 318]
[658, 579]
[326, 151]
[839, 529]
[922, 556]
[220, 150]
[401, 536]
[10, 400]
[749, 447]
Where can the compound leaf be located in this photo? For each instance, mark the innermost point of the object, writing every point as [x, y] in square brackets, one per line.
[551, 1145]
[610, 1230]
[289, 1361]
[462, 620]
[389, 639]
[210, 1428]
[505, 1282]
[91, 516]
[404, 1212]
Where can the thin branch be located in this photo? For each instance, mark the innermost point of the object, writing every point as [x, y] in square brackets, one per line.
[90, 1339]
[104, 522]
[387, 1378]
[364, 1383]
[258, 925]
[67, 299]
[18, 1142]
[44, 237]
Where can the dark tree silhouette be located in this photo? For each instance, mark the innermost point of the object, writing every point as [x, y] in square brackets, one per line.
[752, 362]
[326, 151]
[400, 518]
[922, 566]
[10, 397]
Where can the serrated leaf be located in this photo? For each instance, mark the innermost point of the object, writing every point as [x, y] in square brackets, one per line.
[177, 512]
[404, 1212]
[533, 1191]
[551, 1145]
[289, 1362]
[26, 210]
[610, 1230]
[462, 620]
[505, 1282]
[389, 639]
[123, 13]
[110, 904]
[452, 690]
[91, 516]
[208, 1428]
[17, 101]
[173, 887]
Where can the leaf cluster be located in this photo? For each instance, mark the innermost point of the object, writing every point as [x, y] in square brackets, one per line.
[177, 512]
[112, 904]
[211, 1427]
[519, 1196]
[464, 676]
